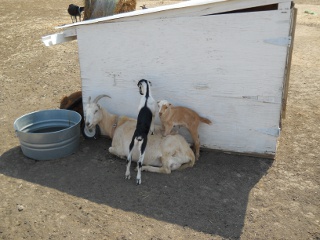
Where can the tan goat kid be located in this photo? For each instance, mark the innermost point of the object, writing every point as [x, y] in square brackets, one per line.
[162, 155]
[171, 116]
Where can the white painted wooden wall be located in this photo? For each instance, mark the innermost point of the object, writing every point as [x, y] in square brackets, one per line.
[229, 68]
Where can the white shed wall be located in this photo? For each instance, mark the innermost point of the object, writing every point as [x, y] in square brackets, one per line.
[222, 66]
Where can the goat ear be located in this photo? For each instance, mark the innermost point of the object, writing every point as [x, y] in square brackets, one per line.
[99, 106]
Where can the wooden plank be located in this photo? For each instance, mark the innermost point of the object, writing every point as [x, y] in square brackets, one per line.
[288, 65]
[218, 65]
[57, 38]
[250, 154]
[71, 32]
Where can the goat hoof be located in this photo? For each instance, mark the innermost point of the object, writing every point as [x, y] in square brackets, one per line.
[128, 177]
[138, 181]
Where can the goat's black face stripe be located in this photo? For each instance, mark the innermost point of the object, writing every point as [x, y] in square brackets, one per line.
[147, 90]
[147, 93]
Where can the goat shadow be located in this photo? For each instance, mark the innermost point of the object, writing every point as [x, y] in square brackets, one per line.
[211, 197]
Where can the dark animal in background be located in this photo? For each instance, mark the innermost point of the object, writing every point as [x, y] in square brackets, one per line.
[73, 102]
[143, 6]
[75, 11]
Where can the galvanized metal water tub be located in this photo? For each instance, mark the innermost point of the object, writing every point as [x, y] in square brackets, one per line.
[48, 134]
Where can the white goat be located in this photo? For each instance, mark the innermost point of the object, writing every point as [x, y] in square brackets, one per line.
[162, 155]
[95, 115]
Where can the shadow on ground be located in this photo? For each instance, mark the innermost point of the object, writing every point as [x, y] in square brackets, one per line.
[211, 197]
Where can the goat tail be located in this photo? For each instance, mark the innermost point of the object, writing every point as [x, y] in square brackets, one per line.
[205, 120]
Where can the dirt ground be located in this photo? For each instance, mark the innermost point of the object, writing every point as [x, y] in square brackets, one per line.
[85, 196]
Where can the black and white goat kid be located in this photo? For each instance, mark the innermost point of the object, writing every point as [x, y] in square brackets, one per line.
[145, 123]
[75, 11]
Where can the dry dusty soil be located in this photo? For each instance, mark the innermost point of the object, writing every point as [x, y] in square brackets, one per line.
[85, 196]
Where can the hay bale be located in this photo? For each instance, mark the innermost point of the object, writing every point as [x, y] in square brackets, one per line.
[125, 6]
[103, 8]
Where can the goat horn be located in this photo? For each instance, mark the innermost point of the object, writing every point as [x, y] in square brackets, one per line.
[99, 97]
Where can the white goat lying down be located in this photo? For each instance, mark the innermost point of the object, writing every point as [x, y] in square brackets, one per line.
[162, 154]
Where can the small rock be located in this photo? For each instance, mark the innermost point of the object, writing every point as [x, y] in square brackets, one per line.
[20, 208]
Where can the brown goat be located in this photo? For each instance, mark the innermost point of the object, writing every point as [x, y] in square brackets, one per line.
[73, 102]
[171, 116]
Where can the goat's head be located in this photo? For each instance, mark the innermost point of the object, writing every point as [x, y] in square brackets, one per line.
[93, 112]
[143, 85]
[164, 107]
